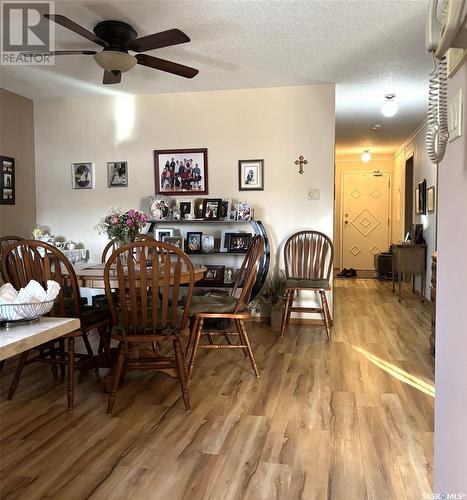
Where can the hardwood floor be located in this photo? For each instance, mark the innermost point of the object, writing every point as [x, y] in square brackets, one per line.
[350, 420]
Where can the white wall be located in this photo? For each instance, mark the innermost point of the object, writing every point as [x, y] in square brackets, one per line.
[451, 307]
[277, 124]
[423, 168]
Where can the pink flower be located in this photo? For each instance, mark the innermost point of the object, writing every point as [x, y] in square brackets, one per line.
[114, 219]
[130, 223]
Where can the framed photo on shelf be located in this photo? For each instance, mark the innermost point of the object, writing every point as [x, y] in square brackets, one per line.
[225, 238]
[181, 171]
[193, 242]
[430, 199]
[212, 208]
[214, 275]
[207, 243]
[7, 180]
[159, 207]
[117, 174]
[176, 241]
[225, 209]
[244, 211]
[185, 209]
[251, 175]
[239, 242]
[229, 275]
[82, 175]
[160, 234]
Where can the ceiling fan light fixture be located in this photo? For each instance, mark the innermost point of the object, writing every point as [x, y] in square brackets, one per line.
[112, 60]
[389, 108]
[366, 156]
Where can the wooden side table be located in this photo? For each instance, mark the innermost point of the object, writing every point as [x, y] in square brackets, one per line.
[409, 259]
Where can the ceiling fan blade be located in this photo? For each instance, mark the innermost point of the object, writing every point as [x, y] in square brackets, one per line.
[76, 28]
[62, 52]
[168, 66]
[110, 78]
[158, 40]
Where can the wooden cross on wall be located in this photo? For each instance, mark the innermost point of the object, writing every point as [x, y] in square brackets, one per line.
[301, 161]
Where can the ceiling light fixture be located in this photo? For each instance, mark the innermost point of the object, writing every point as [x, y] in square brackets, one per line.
[389, 108]
[376, 126]
[366, 156]
[115, 61]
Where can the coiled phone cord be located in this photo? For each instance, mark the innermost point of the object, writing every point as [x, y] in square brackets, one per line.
[438, 133]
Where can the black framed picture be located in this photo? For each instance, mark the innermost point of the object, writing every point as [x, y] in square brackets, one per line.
[7, 180]
[214, 275]
[193, 242]
[181, 171]
[421, 196]
[117, 174]
[185, 209]
[239, 242]
[251, 175]
[212, 208]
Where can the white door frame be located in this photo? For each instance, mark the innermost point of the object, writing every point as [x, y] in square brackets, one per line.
[341, 257]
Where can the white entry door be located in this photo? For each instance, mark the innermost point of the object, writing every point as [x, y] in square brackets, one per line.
[365, 218]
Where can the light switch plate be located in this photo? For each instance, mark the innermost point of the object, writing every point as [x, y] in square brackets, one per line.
[313, 194]
[455, 115]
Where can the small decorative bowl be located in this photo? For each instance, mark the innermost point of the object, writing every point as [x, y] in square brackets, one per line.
[20, 313]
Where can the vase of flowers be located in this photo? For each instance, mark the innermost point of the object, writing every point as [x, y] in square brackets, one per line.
[123, 227]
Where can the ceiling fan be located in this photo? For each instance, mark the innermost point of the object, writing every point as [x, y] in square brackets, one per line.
[118, 38]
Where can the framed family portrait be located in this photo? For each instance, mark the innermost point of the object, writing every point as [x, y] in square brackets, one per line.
[7, 180]
[251, 175]
[82, 175]
[181, 171]
[117, 174]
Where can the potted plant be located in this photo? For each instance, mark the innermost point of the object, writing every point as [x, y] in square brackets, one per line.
[273, 294]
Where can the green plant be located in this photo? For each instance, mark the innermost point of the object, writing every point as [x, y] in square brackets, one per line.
[273, 291]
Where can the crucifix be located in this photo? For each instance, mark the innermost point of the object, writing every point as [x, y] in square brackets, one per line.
[301, 161]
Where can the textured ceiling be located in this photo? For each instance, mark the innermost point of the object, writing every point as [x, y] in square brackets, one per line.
[368, 48]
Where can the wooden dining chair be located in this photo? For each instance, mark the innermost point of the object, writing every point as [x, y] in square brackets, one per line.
[231, 308]
[6, 241]
[26, 260]
[146, 312]
[308, 258]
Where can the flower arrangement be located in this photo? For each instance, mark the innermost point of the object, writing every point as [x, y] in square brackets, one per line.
[122, 226]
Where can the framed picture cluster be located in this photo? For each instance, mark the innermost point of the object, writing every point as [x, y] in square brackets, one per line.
[83, 175]
[7, 180]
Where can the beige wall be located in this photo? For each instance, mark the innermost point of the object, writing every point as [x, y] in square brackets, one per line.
[17, 141]
[277, 124]
[352, 163]
[451, 306]
[423, 168]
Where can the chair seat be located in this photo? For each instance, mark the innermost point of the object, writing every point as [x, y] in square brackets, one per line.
[303, 283]
[92, 315]
[210, 304]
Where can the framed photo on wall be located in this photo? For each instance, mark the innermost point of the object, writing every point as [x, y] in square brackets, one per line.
[181, 171]
[422, 197]
[117, 174]
[82, 175]
[251, 175]
[7, 180]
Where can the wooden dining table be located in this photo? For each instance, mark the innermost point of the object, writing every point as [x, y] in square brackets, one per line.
[92, 275]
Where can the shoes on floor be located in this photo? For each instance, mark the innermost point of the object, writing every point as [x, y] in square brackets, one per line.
[348, 273]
